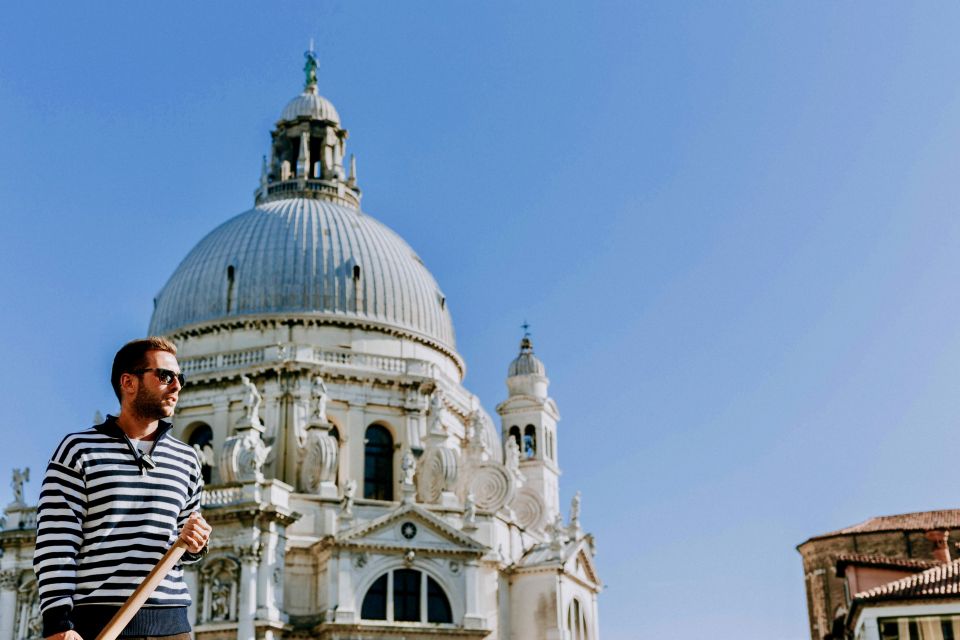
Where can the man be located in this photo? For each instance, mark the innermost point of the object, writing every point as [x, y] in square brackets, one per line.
[112, 502]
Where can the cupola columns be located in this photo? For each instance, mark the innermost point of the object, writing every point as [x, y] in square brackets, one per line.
[308, 150]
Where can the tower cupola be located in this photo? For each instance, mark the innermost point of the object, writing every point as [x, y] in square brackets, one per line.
[308, 150]
[526, 375]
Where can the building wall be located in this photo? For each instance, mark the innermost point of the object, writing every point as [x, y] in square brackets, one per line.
[825, 594]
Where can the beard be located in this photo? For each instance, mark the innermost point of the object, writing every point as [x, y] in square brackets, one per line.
[150, 406]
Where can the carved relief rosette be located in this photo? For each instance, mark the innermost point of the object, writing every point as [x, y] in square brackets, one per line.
[530, 510]
[319, 462]
[436, 473]
[242, 457]
[491, 485]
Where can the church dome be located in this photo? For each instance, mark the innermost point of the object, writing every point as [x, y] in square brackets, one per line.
[310, 104]
[526, 363]
[302, 256]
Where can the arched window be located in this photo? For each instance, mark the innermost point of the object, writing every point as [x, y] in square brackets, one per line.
[406, 595]
[529, 441]
[515, 434]
[231, 288]
[378, 463]
[576, 621]
[201, 439]
[375, 602]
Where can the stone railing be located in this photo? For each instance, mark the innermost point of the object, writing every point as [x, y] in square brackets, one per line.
[221, 496]
[222, 361]
[366, 361]
[306, 354]
[332, 189]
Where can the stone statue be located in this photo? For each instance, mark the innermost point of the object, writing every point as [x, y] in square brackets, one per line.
[470, 510]
[20, 476]
[512, 456]
[409, 466]
[556, 533]
[320, 394]
[220, 599]
[436, 411]
[251, 402]
[575, 510]
[310, 68]
[349, 491]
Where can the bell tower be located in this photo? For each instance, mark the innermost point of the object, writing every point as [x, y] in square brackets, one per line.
[529, 421]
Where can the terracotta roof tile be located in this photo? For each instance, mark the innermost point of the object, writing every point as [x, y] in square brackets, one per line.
[921, 521]
[873, 560]
[940, 581]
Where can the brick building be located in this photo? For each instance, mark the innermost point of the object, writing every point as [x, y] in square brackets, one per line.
[840, 564]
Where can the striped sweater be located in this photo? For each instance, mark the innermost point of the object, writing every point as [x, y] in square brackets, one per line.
[104, 519]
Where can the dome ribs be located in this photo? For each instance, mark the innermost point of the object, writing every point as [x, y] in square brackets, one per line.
[296, 256]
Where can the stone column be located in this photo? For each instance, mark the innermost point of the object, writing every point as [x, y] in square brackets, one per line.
[8, 602]
[346, 604]
[351, 462]
[221, 429]
[270, 573]
[472, 619]
[332, 576]
[247, 602]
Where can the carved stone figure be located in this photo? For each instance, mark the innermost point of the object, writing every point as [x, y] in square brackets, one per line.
[320, 395]
[436, 412]
[349, 491]
[575, 510]
[409, 466]
[512, 456]
[557, 533]
[244, 454]
[470, 511]
[219, 579]
[20, 476]
[251, 403]
[220, 599]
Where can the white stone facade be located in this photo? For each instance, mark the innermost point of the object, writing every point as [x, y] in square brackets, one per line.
[356, 488]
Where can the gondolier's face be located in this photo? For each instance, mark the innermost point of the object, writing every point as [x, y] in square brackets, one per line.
[158, 390]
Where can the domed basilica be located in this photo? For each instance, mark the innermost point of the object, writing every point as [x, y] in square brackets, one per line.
[356, 488]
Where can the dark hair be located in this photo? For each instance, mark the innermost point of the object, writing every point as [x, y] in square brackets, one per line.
[133, 356]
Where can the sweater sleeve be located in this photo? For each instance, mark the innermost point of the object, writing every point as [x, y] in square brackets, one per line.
[193, 504]
[60, 514]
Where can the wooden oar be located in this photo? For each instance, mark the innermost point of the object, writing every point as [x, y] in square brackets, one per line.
[140, 595]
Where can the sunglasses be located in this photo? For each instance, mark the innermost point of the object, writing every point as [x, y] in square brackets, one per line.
[165, 376]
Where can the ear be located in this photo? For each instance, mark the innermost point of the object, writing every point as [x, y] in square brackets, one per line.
[128, 384]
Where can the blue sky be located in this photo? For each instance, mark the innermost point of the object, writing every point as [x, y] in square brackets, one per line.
[732, 226]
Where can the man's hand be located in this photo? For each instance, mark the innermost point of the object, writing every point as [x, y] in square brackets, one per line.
[195, 534]
[65, 635]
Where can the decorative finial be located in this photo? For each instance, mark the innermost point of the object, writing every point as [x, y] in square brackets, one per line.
[526, 345]
[310, 67]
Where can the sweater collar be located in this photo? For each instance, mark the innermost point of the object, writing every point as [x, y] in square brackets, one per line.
[111, 428]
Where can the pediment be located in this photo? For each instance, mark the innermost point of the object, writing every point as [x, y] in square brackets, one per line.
[410, 527]
[580, 564]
